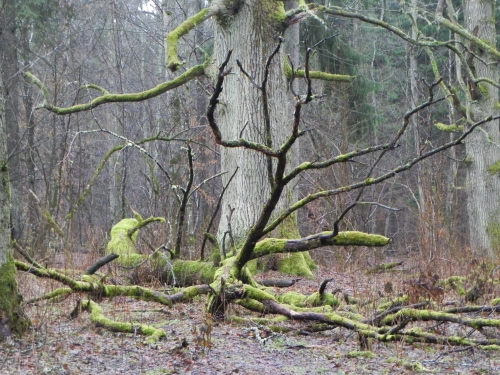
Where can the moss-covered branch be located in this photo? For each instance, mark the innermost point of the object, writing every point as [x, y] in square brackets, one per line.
[351, 238]
[313, 74]
[428, 315]
[192, 73]
[172, 57]
[383, 334]
[97, 317]
[372, 181]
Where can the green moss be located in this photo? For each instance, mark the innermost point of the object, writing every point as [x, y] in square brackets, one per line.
[257, 294]
[483, 88]
[360, 354]
[351, 315]
[275, 10]
[493, 231]
[11, 311]
[468, 160]
[295, 264]
[393, 302]
[449, 128]
[252, 305]
[494, 168]
[173, 37]
[100, 320]
[124, 245]
[411, 366]
[309, 261]
[350, 238]
[327, 300]
[194, 271]
[252, 266]
[495, 302]
[355, 238]
[456, 283]
[292, 298]
[300, 73]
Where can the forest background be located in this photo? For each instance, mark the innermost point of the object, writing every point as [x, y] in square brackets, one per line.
[74, 177]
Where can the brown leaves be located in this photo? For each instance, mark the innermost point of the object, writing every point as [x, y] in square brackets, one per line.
[425, 288]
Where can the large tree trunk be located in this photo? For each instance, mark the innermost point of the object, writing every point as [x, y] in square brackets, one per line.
[9, 65]
[252, 35]
[12, 318]
[252, 32]
[482, 149]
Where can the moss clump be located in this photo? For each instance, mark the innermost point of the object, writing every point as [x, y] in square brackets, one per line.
[453, 128]
[295, 264]
[483, 88]
[411, 366]
[456, 283]
[121, 243]
[257, 294]
[494, 168]
[192, 272]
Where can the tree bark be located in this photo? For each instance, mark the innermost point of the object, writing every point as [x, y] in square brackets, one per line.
[12, 318]
[252, 32]
[8, 61]
[482, 150]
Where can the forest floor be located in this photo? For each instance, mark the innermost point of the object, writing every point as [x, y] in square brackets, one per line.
[60, 345]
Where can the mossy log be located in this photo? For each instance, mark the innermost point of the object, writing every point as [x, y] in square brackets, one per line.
[95, 287]
[157, 265]
[99, 319]
[392, 327]
[349, 238]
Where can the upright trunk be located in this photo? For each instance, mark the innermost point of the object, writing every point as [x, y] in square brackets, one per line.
[12, 318]
[481, 147]
[8, 61]
[251, 30]
[252, 35]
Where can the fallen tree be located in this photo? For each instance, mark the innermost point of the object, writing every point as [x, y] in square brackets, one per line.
[228, 277]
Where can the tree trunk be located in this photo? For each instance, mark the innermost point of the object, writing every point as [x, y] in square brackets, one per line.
[482, 150]
[12, 318]
[251, 30]
[8, 61]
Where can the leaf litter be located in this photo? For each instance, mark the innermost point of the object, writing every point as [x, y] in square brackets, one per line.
[57, 344]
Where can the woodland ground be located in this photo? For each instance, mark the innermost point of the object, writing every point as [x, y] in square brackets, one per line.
[60, 345]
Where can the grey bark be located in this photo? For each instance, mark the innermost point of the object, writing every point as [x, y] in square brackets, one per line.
[482, 147]
[252, 36]
[8, 61]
